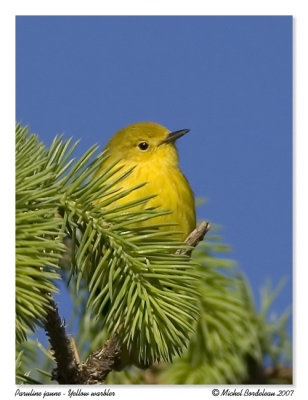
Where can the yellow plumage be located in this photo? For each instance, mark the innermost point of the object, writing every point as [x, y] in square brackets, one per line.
[150, 148]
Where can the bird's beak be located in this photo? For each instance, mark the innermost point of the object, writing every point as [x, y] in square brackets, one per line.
[173, 136]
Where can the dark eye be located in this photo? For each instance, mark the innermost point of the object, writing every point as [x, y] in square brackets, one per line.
[143, 145]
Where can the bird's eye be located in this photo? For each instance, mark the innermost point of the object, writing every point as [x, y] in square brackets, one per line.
[143, 146]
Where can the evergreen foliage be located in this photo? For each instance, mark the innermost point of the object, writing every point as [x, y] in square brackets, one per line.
[232, 339]
[123, 275]
[134, 279]
[39, 234]
[230, 334]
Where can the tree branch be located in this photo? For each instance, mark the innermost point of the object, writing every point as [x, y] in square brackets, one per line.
[102, 361]
[195, 237]
[67, 370]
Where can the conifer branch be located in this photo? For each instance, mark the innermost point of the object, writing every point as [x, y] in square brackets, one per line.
[102, 361]
[67, 371]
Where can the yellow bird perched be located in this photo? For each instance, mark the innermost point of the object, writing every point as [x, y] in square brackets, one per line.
[150, 149]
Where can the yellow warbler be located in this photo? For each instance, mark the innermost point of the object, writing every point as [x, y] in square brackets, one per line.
[150, 149]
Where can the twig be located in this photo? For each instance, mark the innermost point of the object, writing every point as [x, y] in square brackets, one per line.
[75, 350]
[102, 361]
[279, 375]
[67, 370]
[195, 237]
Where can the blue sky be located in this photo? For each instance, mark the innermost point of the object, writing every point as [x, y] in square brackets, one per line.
[228, 79]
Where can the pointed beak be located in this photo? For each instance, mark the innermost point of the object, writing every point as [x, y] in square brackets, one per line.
[173, 136]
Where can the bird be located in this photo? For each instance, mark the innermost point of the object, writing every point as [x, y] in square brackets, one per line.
[149, 148]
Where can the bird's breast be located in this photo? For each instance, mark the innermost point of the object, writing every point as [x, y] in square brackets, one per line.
[172, 192]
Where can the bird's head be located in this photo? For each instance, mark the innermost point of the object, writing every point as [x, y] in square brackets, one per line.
[143, 142]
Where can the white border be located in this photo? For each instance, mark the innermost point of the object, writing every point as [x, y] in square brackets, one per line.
[159, 7]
